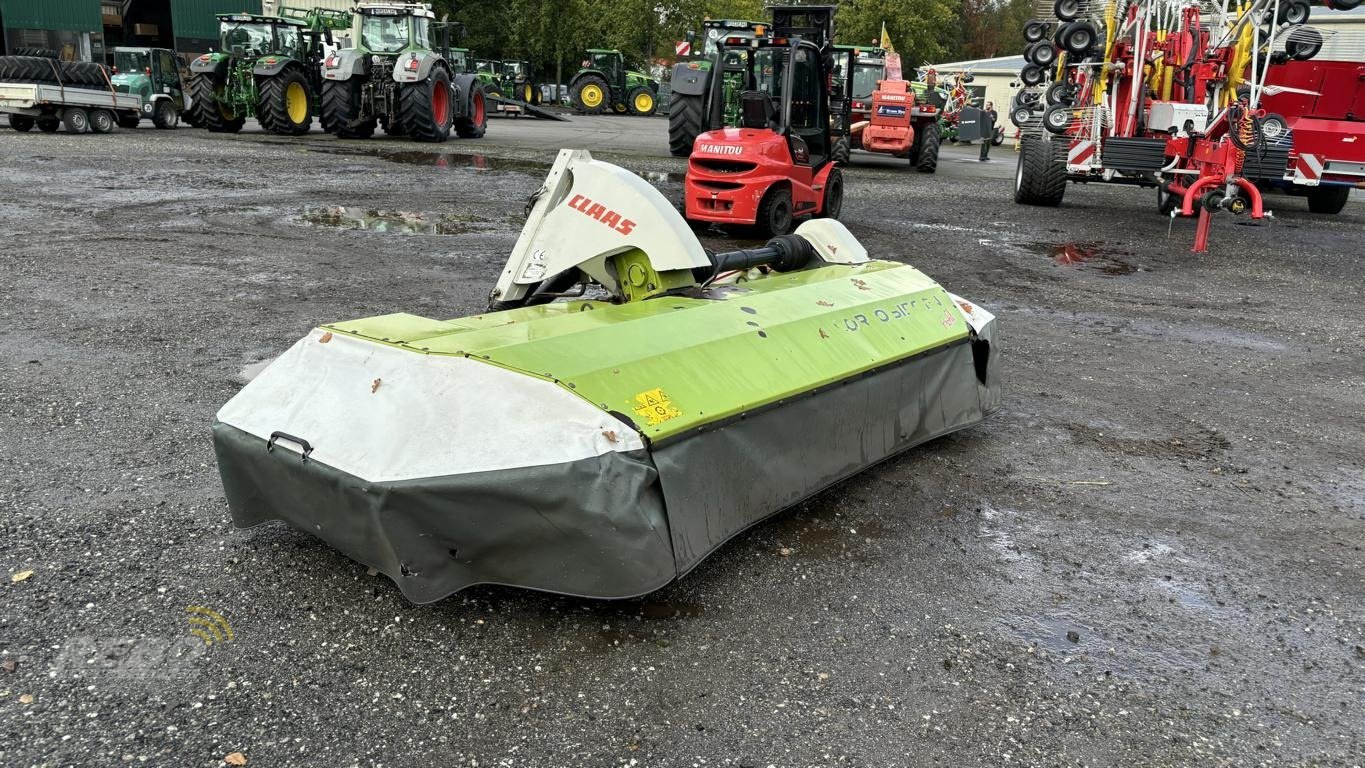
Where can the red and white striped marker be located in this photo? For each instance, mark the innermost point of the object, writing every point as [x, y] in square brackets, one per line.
[1308, 170]
[682, 48]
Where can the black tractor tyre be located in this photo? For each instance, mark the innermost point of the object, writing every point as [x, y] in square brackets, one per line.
[834, 195]
[1345, 5]
[164, 115]
[129, 121]
[48, 124]
[1067, 10]
[1034, 31]
[45, 53]
[1303, 43]
[272, 105]
[1078, 37]
[474, 124]
[1039, 179]
[102, 121]
[207, 112]
[843, 147]
[632, 101]
[340, 107]
[576, 90]
[686, 121]
[774, 213]
[1330, 199]
[76, 120]
[30, 69]
[425, 107]
[21, 123]
[1042, 53]
[927, 160]
[1020, 116]
[1058, 93]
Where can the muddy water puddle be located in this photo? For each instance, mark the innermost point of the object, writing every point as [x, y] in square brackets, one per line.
[1094, 256]
[380, 220]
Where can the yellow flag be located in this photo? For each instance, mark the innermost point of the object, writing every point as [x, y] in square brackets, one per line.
[886, 40]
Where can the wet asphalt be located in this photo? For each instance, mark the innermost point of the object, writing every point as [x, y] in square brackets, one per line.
[1150, 557]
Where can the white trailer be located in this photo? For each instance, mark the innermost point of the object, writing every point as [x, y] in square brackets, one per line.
[50, 106]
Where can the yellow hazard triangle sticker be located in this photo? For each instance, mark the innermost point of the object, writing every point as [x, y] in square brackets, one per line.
[654, 407]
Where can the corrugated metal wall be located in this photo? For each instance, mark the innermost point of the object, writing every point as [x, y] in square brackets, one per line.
[195, 18]
[70, 15]
[337, 5]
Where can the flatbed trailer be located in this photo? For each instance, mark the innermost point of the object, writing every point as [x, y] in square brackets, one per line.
[50, 106]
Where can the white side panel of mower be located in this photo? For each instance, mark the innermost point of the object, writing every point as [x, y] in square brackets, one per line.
[385, 414]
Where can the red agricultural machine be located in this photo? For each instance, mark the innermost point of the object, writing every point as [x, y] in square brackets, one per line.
[778, 165]
[1210, 104]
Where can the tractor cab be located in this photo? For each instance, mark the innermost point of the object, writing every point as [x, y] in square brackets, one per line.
[249, 35]
[776, 164]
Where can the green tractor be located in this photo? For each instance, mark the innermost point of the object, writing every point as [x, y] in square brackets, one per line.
[687, 107]
[489, 73]
[519, 80]
[153, 74]
[267, 69]
[604, 83]
[396, 77]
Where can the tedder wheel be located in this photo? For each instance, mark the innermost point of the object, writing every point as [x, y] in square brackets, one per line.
[1058, 93]
[642, 101]
[48, 124]
[214, 116]
[425, 107]
[129, 120]
[620, 108]
[1067, 10]
[834, 195]
[285, 107]
[1034, 31]
[21, 123]
[590, 94]
[842, 149]
[686, 121]
[341, 107]
[164, 115]
[1329, 199]
[927, 160]
[1303, 43]
[1078, 37]
[1039, 179]
[102, 121]
[474, 122]
[76, 120]
[1274, 128]
[1294, 12]
[1020, 116]
[774, 213]
[1057, 118]
[1032, 75]
[1043, 53]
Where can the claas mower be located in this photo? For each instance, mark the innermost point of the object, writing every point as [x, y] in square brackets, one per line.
[779, 164]
[627, 404]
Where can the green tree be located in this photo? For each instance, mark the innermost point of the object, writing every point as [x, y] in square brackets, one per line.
[923, 31]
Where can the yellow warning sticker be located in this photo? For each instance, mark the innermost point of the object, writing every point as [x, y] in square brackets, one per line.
[654, 407]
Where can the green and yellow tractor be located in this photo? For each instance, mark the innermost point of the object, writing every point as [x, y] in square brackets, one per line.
[603, 83]
[396, 77]
[267, 69]
[691, 82]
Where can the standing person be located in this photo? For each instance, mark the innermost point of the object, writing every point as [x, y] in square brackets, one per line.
[988, 118]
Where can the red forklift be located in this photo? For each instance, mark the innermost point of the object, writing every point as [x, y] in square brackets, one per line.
[778, 165]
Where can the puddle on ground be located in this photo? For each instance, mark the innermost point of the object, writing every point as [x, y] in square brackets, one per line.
[377, 220]
[1089, 255]
[476, 161]
[1058, 634]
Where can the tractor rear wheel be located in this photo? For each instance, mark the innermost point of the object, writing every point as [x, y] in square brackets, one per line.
[210, 114]
[285, 107]
[164, 115]
[642, 101]
[590, 94]
[341, 108]
[927, 159]
[425, 107]
[1329, 199]
[474, 122]
[21, 123]
[774, 213]
[834, 195]
[1039, 179]
[686, 121]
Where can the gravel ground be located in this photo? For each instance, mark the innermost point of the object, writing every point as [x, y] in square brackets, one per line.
[1151, 556]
